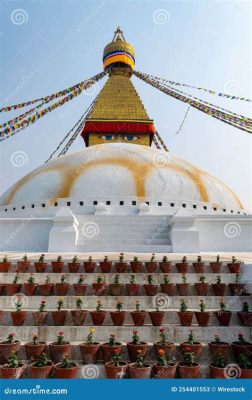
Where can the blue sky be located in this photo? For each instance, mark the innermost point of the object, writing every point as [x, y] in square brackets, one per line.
[60, 43]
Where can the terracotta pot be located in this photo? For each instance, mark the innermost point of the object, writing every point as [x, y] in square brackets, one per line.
[202, 317]
[65, 373]
[245, 318]
[151, 266]
[98, 317]
[189, 371]
[80, 288]
[12, 373]
[217, 373]
[23, 266]
[61, 288]
[89, 266]
[57, 351]
[132, 288]
[138, 317]
[18, 317]
[222, 348]
[34, 350]
[245, 349]
[13, 288]
[116, 289]
[185, 318]
[30, 289]
[216, 267]
[133, 349]
[73, 267]
[79, 316]
[198, 267]
[219, 288]
[89, 352]
[6, 349]
[195, 348]
[234, 268]
[157, 317]
[223, 317]
[114, 372]
[118, 317]
[168, 288]
[105, 266]
[121, 266]
[41, 372]
[136, 266]
[165, 266]
[140, 373]
[201, 288]
[165, 372]
[57, 266]
[2, 287]
[246, 374]
[108, 350]
[182, 267]
[1, 316]
[5, 266]
[39, 317]
[99, 288]
[59, 317]
[151, 290]
[40, 266]
[183, 288]
[46, 289]
[169, 348]
[237, 289]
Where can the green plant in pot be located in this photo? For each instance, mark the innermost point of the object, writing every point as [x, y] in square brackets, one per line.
[138, 315]
[246, 367]
[116, 287]
[34, 348]
[199, 265]
[219, 287]
[234, 266]
[118, 316]
[216, 265]
[109, 347]
[132, 287]
[24, 264]
[66, 369]
[8, 346]
[184, 315]
[237, 288]
[62, 286]
[167, 287]
[98, 315]
[58, 265]
[139, 369]
[5, 265]
[80, 287]
[157, 316]
[121, 265]
[30, 286]
[165, 265]
[40, 316]
[59, 315]
[74, 265]
[89, 265]
[150, 288]
[242, 346]
[183, 287]
[151, 266]
[135, 345]
[59, 348]
[183, 265]
[105, 265]
[164, 368]
[41, 264]
[78, 314]
[165, 344]
[90, 349]
[218, 368]
[223, 315]
[18, 317]
[219, 347]
[202, 286]
[116, 368]
[191, 345]
[136, 265]
[41, 368]
[202, 316]
[47, 288]
[245, 316]
[14, 287]
[13, 369]
[99, 286]
[189, 368]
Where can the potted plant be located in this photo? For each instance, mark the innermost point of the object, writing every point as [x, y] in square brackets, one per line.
[157, 316]
[167, 287]
[30, 286]
[216, 265]
[165, 265]
[40, 316]
[34, 348]
[237, 288]
[189, 368]
[66, 369]
[80, 287]
[136, 265]
[121, 266]
[89, 265]
[90, 349]
[41, 368]
[132, 287]
[58, 265]
[14, 287]
[7, 347]
[151, 265]
[41, 264]
[78, 314]
[199, 265]
[99, 286]
[23, 266]
[235, 266]
[59, 348]
[223, 315]
[13, 369]
[217, 347]
[136, 345]
[218, 368]
[59, 315]
[245, 366]
[5, 265]
[108, 348]
[118, 316]
[116, 368]
[138, 369]
[242, 346]
[138, 315]
[46, 289]
[98, 315]
[105, 265]
[18, 316]
[165, 368]
[202, 316]
[116, 287]
[191, 345]
[183, 287]
[218, 287]
[202, 286]
[74, 265]
[2, 287]
[62, 286]
[182, 266]
[184, 315]
[245, 316]
[150, 288]
[163, 344]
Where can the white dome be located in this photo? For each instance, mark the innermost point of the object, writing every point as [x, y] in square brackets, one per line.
[119, 170]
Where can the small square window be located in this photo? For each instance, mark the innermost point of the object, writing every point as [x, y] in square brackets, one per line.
[133, 203]
[108, 203]
[23, 207]
[147, 202]
[43, 205]
[95, 203]
[68, 203]
[159, 204]
[81, 203]
[56, 204]
[205, 207]
[224, 210]
[184, 205]
[214, 208]
[232, 211]
[239, 212]
[14, 208]
[194, 206]
[121, 203]
[32, 206]
[6, 210]
[172, 204]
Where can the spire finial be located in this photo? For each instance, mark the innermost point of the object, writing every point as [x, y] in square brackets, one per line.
[118, 35]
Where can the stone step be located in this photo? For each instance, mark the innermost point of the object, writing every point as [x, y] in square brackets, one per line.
[126, 247]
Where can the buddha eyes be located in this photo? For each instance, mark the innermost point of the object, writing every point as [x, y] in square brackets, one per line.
[113, 137]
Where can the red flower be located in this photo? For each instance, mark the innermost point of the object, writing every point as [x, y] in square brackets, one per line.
[116, 351]
[139, 351]
[161, 352]
[135, 332]
[61, 333]
[162, 330]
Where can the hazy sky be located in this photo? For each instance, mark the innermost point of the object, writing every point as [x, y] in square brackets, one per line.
[56, 44]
